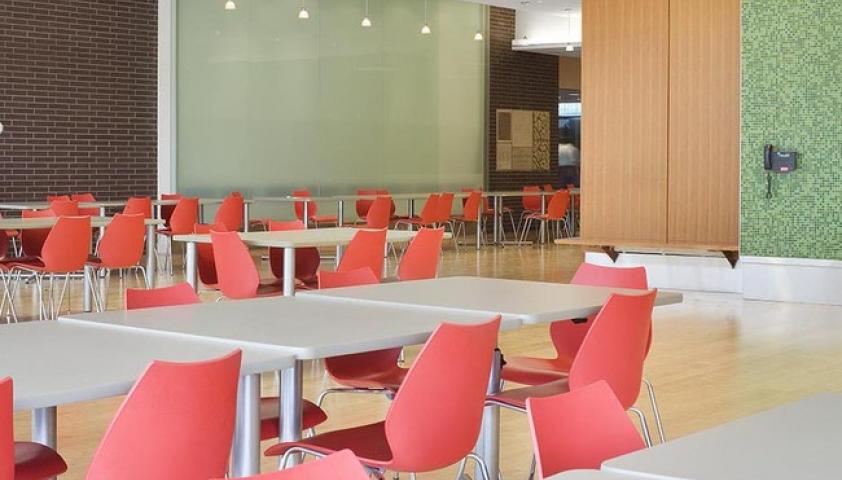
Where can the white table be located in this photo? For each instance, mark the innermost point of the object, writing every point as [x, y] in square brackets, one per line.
[96, 222]
[305, 326]
[57, 363]
[531, 302]
[590, 475]
[289, 241]
[797, 441]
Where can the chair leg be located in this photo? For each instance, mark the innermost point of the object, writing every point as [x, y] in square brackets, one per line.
[532, 468]
[644, 426]
[656, 412]
[483, 468]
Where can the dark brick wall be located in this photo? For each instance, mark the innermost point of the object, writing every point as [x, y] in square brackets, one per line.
[519, 80]
[78, 87]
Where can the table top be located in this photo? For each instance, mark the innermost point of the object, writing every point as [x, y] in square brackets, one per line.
[532, 302]
[47, 222]
[55, 363]
[312, 237]
[590, 475]
[307, 327]
[399, 196]
[27, 205]
[799, 440]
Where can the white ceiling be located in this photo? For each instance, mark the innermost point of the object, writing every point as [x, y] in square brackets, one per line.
[556, 7]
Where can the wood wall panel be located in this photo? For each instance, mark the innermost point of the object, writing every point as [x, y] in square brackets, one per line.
[625, 84]
[704, 122]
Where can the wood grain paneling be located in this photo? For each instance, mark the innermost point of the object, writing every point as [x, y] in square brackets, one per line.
[625, 84]
[704, 122]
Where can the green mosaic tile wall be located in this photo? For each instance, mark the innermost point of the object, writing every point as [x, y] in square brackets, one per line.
[792, 97]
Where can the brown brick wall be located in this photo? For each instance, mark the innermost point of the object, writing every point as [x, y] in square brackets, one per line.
[519, 80]
[78, 87]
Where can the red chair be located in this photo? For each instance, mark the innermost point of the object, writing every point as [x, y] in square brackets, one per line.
[181, 222]
[121, 248]
[312, 210]
[238, 277]
[86, 197]
[176, 423]
[65, 208]
[32, 239]
[14, 237]
[58, 198]
[470, 214]
[556, 215]
[307, 260]
[205, 263]
[23, 460]
[613, 350]
[167, 210]
[379, 213]
[548, 187]
[421, 259]
[350, 278]
[141, 205]
[363, 204]
[183, 294]
[427, 217]
[385, 193]
[580, 430]
[435, 418]
[230, 213]
[366, 250]
[531, 203]
[65, 251]
[342, 465]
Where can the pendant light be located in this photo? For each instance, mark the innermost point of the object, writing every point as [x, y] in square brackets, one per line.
[230, 5]
[303, 14]
[366, 21]
[478, 36]
[425, 30]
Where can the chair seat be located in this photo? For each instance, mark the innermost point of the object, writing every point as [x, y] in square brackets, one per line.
[96, 262]
[34, 461]
[270, 287]
[34, 264]
[270, 422]
[412, 221]
[516, 398]
[368, 442]
[324, 218]
[12, 233]
[7, 264]
[535, 371]
[391, 379]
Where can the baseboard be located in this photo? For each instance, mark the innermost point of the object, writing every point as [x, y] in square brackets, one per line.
[792, 280]
[680, 272]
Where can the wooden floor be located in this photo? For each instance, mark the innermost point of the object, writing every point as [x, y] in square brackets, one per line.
[715, 358]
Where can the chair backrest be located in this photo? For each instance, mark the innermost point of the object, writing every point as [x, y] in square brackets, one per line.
[235, 269]
[531, 202]
[548, 187]
[420, 261]
[366, 249]
[184, 216]
[167, 210]
[444, 207]
[379, 213]
[580, 429]
[472, 206]
[385, 193]
[141, 205]
[68, 245]
[559, 203]
[453, 369]
[342, 465]
[430, 209]
[567, 336]
[362, 205]
[615, 346]
[58, 198]
[230, 213]
[178, 294]
[7, 435]
[349, 278]
[205, 264]
[32, 239]
[65, 208]
[122, 244]
[177, 422]
[86, 197]
[312, 208]
[307, 260]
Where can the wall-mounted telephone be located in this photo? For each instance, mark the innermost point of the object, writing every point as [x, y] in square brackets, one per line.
[777, 161]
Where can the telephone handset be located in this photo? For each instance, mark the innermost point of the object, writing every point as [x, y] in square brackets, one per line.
[777, 161]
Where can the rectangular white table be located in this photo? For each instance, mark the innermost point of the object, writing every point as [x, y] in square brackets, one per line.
[307, 327]
[57, 363]
[796, 441]
[591, 475]
[289, 241]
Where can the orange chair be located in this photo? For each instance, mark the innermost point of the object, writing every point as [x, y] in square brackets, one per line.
[14, 237]
[141, 205]
[580, 430]
[23, 460]
[230, 213]
[470, 214]
[427, 217]
[66, 208]
[167, 210]
[183, 294]
[435, 418]
[177, 423]
[204, 257]
[349, 278]
[556, 215]
[339, 466]
[363, 204]
[312, 210]
[121, 248]
[64, 252]
[181, 222]
[307, 260]
[379, 213]
[86, 197]
[531, 203]
[614, 350]
[32, 239]
[366, 250]
[58, 198]
[238, 277]
[548, 187]
[385, 193]
[421, 259]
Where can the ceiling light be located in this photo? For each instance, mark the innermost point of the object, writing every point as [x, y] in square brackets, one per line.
[570, 48]
[230, 5]
[478, 36]
[303, 14]
[425, 30]
[366, 21]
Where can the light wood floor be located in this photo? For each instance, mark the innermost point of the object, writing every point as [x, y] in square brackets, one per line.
[715, 358]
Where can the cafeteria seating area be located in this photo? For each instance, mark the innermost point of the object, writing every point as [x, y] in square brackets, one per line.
[420, 239]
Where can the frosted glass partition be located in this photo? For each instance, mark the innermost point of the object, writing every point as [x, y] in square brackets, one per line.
[267, 102]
